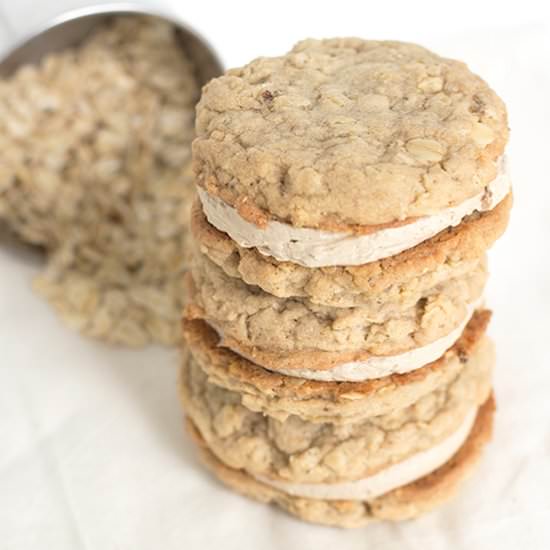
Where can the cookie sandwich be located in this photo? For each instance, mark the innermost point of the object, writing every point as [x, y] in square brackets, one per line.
[347, 193]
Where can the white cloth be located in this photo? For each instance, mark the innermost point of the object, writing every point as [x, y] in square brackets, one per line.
[93, 453]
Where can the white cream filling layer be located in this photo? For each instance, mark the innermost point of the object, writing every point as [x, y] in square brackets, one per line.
[397, 475]
[317, 248]
[385, 365]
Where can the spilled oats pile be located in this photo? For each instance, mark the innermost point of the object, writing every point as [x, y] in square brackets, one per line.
[94, 143]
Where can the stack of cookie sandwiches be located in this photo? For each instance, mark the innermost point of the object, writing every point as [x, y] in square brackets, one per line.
[337, 363]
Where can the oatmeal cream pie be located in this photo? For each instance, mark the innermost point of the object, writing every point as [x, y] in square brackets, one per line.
[297, 451]
[346, 151]
[318, 401]
[432, 486]
[297, 337]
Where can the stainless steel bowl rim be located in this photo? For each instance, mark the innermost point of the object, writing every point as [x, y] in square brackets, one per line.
[112, 8]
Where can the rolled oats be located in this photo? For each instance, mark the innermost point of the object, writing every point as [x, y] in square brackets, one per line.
[96, 170]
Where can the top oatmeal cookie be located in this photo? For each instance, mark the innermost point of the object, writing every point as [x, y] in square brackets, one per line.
[341, 133]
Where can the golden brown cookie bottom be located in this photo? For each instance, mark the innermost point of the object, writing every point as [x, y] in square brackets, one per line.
[403, 503]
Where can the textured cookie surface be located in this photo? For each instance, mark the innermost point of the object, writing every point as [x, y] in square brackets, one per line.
[264, 327]
[281, 396]
[451, 253]
[299, 451]
[346, 132]
[403, 503]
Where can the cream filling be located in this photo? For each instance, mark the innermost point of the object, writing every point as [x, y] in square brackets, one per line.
[317, 248]
[379, 366]
[396, 475]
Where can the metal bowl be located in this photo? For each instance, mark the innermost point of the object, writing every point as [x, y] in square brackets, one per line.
[71, 28]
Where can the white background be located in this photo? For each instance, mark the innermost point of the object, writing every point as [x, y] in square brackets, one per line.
[92, 449]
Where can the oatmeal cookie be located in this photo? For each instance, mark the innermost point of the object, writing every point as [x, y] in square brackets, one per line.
[406, 502]
[269, 329]
[344, 133]
[298, 451]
